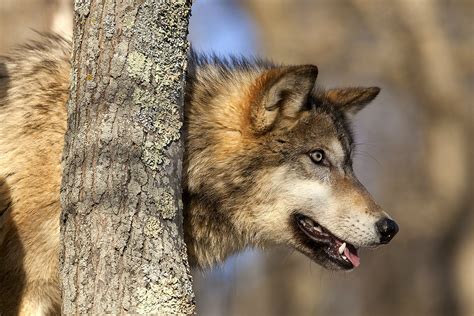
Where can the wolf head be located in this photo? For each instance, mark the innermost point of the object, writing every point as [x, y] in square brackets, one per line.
[270, 161]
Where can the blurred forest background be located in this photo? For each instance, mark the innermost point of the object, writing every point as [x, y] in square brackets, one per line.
[416, 152]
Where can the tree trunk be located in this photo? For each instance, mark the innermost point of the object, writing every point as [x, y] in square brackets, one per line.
[122, 243]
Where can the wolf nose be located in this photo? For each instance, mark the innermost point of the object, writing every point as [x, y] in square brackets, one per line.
[387, 229]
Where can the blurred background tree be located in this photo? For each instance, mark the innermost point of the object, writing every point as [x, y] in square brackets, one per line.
[20, 19]
[415, 153]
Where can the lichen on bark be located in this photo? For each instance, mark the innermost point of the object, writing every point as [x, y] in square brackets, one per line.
[123, 250]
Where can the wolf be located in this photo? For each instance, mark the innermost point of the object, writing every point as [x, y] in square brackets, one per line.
[268, 160]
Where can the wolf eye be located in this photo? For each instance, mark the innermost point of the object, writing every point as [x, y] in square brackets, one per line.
[317, 156]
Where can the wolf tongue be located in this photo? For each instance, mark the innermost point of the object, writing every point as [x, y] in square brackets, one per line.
[353, 258]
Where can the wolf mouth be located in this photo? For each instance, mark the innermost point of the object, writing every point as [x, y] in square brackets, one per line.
[336, 250]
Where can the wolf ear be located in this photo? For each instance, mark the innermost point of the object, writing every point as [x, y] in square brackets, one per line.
[282, 95]
[352, 100]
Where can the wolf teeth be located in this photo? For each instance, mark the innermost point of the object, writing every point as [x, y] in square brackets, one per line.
[312, 225]
[342, 248]
[344, 257]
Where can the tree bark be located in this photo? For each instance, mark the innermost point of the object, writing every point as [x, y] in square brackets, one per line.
[121, 226]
